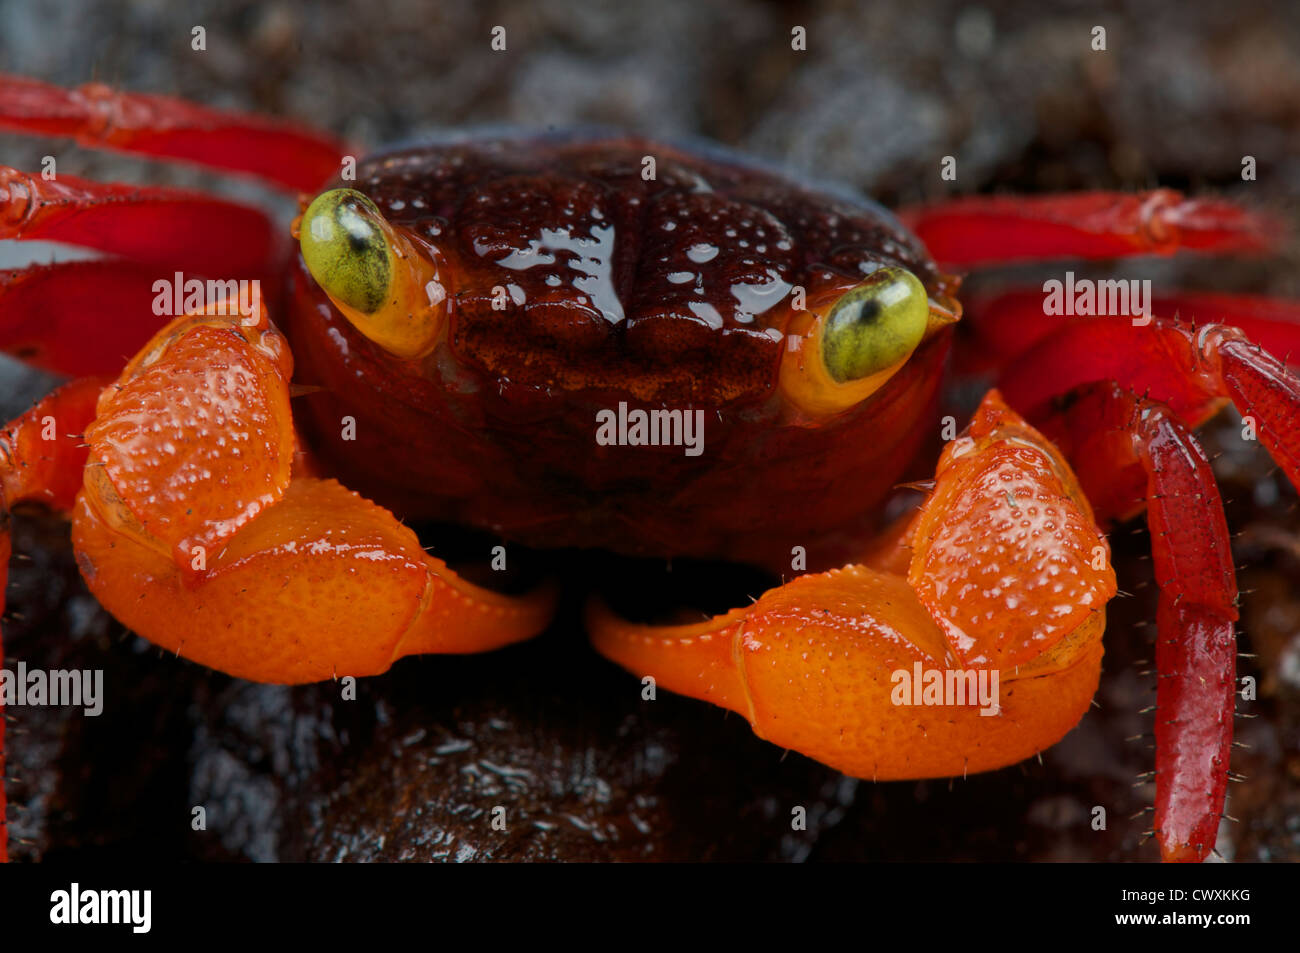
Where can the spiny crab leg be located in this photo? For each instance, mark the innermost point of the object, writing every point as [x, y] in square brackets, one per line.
[155, 225]
[165, 228]
[1001, 571]
[282, 153]
[1139, 452]
[1193, 370]
[1117, 439]
[995, 230]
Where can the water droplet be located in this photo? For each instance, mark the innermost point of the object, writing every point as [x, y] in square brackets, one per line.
[702, 252]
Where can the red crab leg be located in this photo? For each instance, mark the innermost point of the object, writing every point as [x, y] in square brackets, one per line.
[995, 230]
[156, 225]
[193, 530]
[41, 458]
[1191, 369]
[1005, 539]
[291, 156]
[1114, 435]
[1007, 324]
[43, 311]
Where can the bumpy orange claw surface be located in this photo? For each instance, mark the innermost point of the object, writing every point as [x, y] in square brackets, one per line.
[1007, 556]
[191, 531]
[323, 584]
[196, 437]
[1008, 572]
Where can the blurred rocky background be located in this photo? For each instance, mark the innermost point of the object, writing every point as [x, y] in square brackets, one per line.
[561, 739]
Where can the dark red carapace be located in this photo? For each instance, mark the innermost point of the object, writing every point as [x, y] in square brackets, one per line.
[672, 292]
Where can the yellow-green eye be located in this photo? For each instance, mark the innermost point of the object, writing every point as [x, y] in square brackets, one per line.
[386, 286]
[875, 325]
[345, 245]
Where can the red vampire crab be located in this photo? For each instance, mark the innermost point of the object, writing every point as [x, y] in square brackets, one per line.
[476, 331]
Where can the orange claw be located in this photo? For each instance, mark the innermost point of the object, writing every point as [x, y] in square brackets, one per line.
[196, 437]
[815, 664]
[196, 535]
[322, 584]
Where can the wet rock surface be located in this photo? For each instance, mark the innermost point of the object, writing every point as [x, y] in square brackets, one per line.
[414, 767]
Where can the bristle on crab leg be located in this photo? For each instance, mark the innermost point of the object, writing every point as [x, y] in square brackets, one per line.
[281, 153]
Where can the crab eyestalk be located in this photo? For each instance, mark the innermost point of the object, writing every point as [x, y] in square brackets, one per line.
[846, 346]
[387, 288]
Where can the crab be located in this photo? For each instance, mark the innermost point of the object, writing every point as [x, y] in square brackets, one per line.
[607, 343]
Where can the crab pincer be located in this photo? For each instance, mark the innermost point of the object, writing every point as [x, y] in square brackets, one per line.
[1000, 580]
[196, 531]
